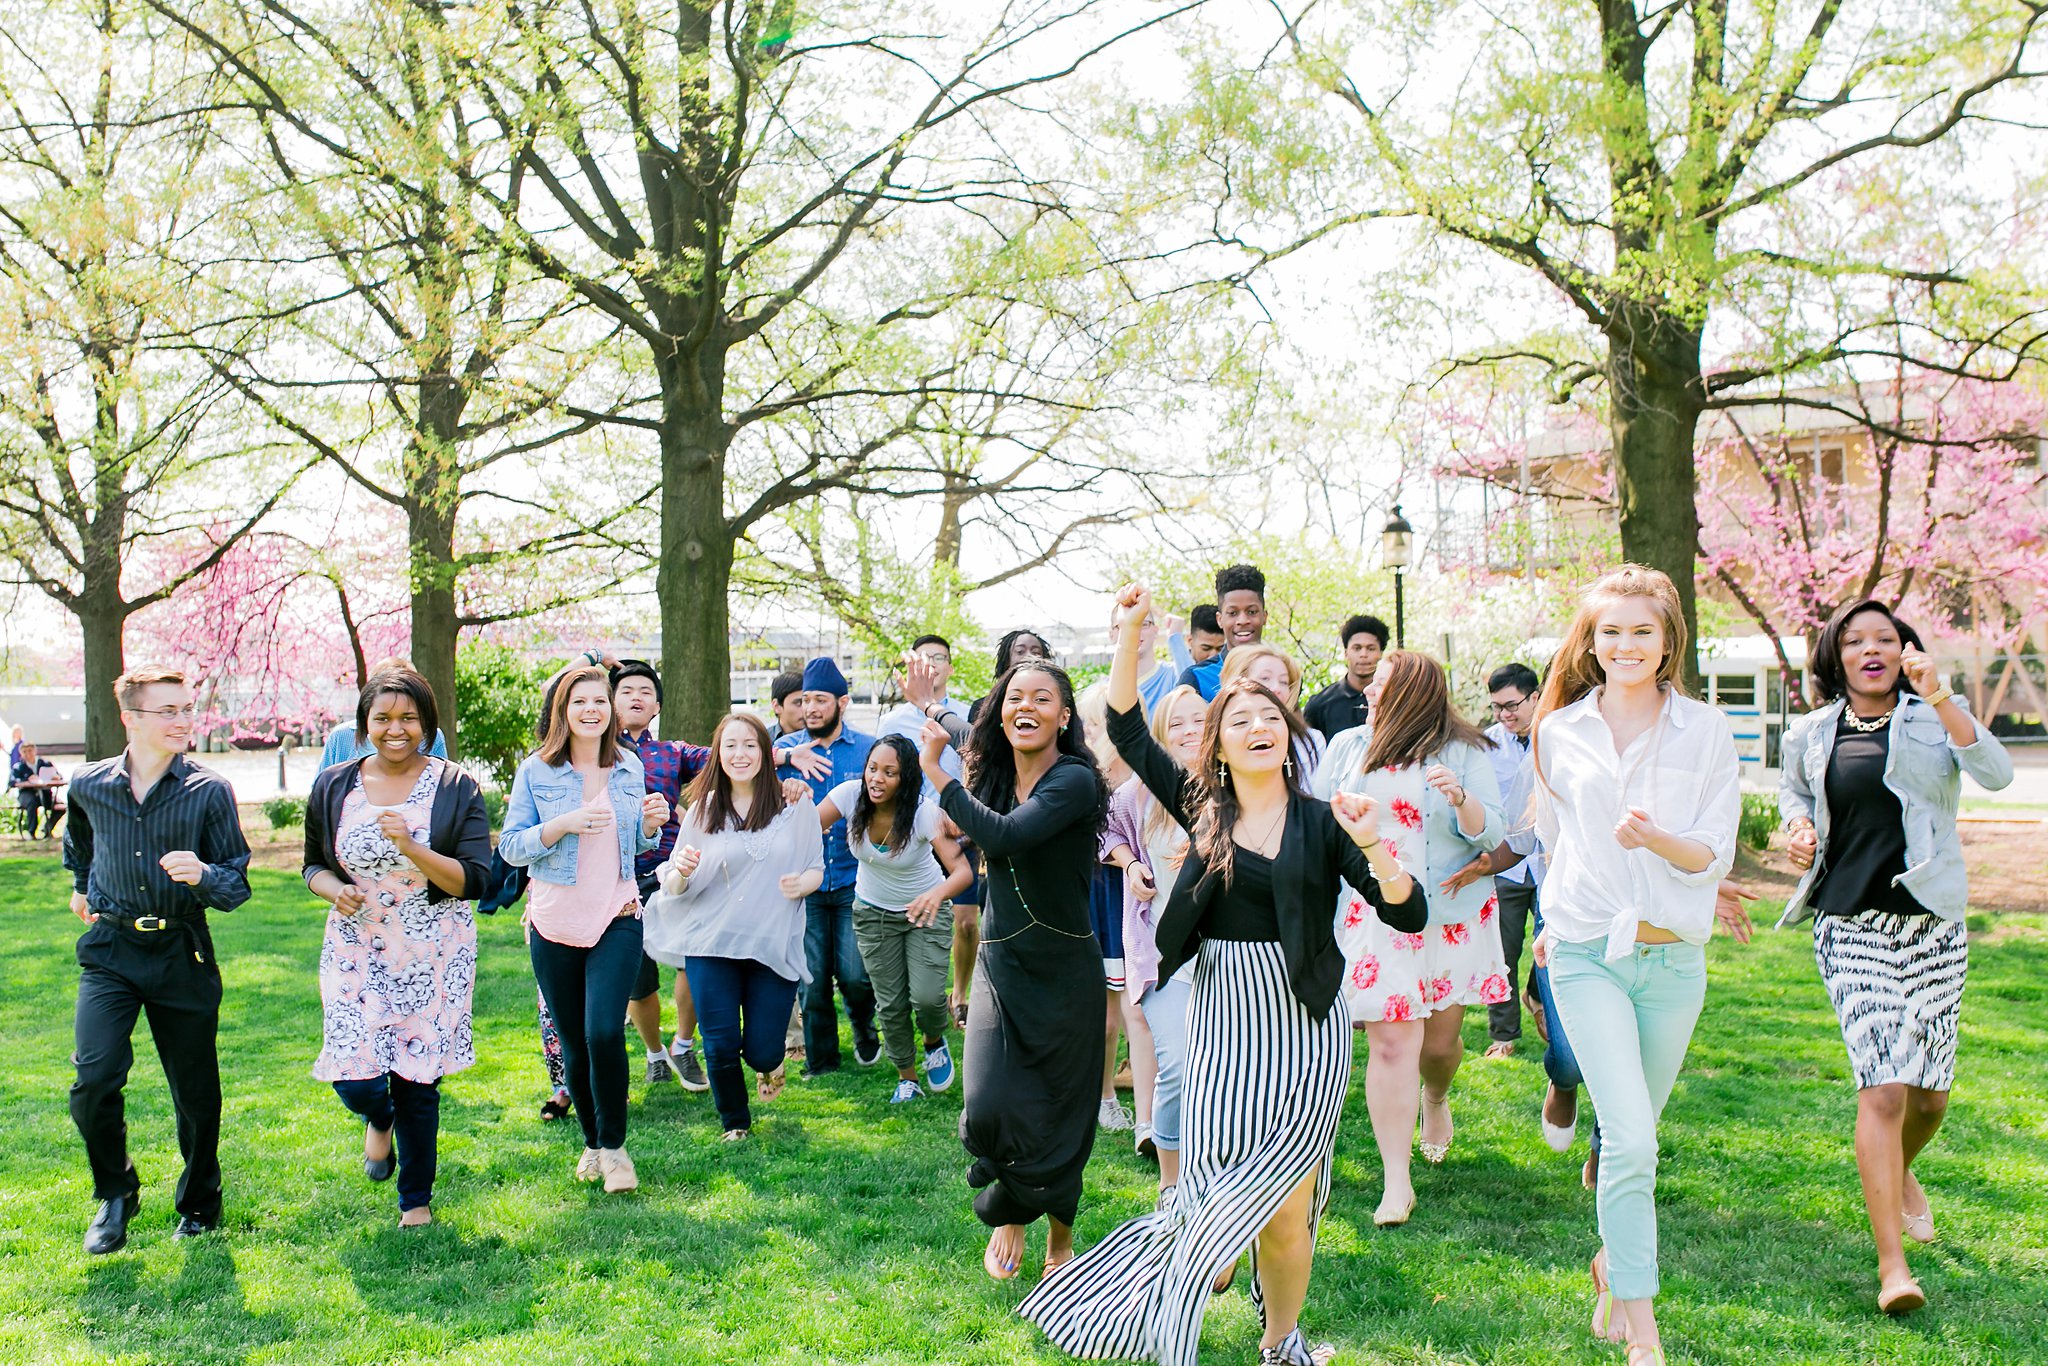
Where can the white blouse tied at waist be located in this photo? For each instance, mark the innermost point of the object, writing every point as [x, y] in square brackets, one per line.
[1683, 771]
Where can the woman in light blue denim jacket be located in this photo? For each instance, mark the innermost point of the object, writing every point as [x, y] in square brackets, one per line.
[578, 813]
[1869, 792]
[1439, 804]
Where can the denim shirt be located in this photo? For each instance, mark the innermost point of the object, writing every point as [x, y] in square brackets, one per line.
[1445, 846]
[541, 792]
[1923, 768]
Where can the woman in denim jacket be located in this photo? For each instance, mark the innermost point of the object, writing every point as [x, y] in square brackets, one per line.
[1438, 799]
[578, 813]
[1869, 791]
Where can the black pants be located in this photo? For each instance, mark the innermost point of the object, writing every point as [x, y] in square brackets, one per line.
[127, 972]
[36, 800]
[586, 991]
[1517, 900]
[411, 1110]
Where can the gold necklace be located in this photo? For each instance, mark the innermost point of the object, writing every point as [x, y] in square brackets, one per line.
[1873, 725]
[1260, 847]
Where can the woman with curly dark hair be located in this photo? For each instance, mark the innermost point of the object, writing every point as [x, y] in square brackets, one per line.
[1033, 801]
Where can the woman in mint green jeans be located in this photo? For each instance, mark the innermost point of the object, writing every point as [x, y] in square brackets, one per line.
[1637, 801]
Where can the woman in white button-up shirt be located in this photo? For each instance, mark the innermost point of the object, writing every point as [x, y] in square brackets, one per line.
[1637, 803]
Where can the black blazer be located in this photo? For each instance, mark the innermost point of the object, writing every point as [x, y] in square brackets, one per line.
[1315, 854]
[459, 827]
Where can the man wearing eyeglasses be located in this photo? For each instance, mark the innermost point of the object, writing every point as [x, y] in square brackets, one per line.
[1512, 690]
[153, 843]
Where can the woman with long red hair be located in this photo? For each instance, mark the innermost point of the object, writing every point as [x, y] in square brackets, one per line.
[1637, 800]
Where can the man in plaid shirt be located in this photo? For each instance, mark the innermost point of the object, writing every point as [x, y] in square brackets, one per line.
[669, 765]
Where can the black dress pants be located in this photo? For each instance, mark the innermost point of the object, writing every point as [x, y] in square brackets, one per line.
[127, 972]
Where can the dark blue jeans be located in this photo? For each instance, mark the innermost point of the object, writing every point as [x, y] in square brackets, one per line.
[830, 951]
[586, 991]
[743, 1014]
[411, 1110]
[1559, 1062]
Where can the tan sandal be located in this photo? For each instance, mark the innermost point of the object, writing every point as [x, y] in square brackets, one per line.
[769, 1084]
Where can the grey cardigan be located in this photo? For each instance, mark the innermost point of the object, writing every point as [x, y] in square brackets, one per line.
[1923, 769]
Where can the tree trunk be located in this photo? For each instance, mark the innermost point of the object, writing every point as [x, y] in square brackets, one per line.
[953, 500]
[695, 573]
[431, 535]
[1655, 390]
[103, 622]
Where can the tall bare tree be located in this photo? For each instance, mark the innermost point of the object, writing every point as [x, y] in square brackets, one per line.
[427, 362]
[769, 209]
[125, 468]
[1723, 194]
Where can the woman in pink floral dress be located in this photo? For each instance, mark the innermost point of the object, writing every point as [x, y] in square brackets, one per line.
[1426, 769]
[399, 844]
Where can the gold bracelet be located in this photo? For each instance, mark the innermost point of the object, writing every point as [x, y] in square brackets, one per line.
[1935, 699]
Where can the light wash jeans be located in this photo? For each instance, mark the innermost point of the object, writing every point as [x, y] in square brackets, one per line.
[1166, 1015]
[1630, 1021]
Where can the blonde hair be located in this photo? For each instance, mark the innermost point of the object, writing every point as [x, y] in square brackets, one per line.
[1092, 706]
[1239, 661]
[1574, 671]
[128, 687]
[1156, 821]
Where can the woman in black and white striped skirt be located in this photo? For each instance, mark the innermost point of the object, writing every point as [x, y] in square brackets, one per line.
[1869, 790]
[1269, 1057]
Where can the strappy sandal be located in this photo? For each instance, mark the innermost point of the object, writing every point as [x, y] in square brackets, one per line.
[1434, 1153]
[554, 1108]
[769, 1084]
[1604, 1326]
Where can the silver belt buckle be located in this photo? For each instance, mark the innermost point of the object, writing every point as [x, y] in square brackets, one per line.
[149, 924]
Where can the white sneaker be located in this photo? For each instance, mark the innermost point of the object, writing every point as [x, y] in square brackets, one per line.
[1142, 1141]
[1113, 1116]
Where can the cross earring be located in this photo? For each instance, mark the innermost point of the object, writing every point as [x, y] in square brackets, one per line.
[1222, 774]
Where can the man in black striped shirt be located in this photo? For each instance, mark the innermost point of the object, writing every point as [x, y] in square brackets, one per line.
[153, 843]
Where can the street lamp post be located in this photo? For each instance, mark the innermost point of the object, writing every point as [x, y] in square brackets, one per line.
[1396, 543]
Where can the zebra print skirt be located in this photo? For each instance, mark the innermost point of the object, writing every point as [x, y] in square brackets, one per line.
[1897, 986]
[1265, 1085]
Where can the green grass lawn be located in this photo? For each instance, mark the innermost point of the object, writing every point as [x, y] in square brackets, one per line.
[843, 1233]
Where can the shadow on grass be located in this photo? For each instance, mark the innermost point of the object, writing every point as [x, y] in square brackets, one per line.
[199, 1315]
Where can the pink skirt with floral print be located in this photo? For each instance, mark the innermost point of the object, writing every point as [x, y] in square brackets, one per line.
[1391, 976]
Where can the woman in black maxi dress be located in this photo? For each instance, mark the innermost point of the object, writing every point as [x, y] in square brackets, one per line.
[1032, 1071]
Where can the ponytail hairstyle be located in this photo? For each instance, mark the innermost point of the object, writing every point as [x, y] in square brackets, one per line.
[1574, 671]
[1219, 811]
[902, 807]
[1415, 719]
[991, 765]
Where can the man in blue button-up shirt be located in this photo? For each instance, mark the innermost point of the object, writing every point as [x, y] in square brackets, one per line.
[829, 753]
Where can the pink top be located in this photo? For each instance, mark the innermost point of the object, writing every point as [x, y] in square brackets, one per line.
[578, 914]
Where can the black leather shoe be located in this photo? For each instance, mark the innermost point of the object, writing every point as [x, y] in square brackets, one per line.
[380, 1169]
[191, 1226]
[108, 1231]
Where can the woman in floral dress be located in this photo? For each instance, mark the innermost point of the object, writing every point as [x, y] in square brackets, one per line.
[398, 843]
[1426, 769]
